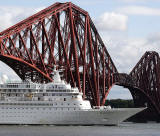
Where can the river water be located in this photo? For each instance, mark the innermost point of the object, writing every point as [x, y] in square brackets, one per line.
[124, 129]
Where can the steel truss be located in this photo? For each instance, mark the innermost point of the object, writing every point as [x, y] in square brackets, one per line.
[146, 75]
[64, 35]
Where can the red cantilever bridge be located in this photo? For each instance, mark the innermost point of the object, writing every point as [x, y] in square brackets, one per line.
[64, 35]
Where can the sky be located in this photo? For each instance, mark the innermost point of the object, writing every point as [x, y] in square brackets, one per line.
[128, 28]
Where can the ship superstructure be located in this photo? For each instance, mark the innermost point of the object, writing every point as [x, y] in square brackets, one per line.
[53, 103]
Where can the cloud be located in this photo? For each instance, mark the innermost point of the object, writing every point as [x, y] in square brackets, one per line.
[118, 92]
[154, 38]
[12, 15]
[137, 1]
[6, 70]
[8, 17]
[112, 21]
[130, 1]
[126, 52]
[139, 10]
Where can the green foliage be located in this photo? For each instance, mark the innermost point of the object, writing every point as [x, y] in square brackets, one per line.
[119, 103]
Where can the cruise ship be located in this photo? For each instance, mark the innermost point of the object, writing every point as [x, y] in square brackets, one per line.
[54, 103]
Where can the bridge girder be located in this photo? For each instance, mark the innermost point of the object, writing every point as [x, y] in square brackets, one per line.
[64, 35]
[146, 75]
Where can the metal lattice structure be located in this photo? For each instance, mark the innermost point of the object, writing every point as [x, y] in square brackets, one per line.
[64, 35]
[146, 75]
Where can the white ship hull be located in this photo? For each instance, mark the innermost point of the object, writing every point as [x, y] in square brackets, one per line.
[54, 103]
[37, 115]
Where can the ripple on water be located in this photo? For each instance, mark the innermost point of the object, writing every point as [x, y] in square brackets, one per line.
[124, 129]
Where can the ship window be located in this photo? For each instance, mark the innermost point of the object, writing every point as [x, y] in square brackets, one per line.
[27, 86]
[64, 99]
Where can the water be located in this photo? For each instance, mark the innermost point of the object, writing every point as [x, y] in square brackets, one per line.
[124, 129]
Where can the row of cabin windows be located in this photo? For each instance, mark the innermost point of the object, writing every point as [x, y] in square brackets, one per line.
[19, 86]
[19, 90]
[26, 104]
[55, 89]
[37, 109]
[56, 86]
[32, 91]
[16, 86]
[12, 86]
[37, 94]
[37, 104]
[58, 90]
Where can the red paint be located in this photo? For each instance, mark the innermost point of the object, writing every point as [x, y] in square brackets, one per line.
[64, 35]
